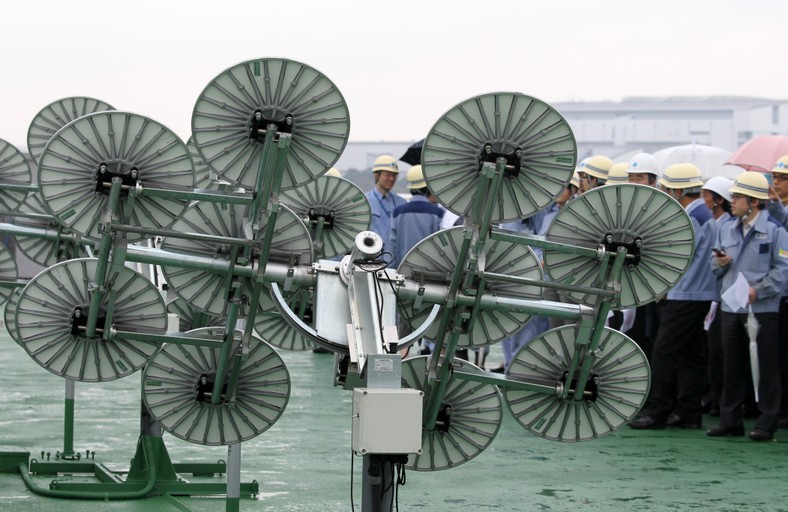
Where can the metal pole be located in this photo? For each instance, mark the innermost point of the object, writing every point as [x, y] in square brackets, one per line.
[378, 477]
[103, 261]
[233, 500]
[596, 337]
[221, 369]
[68, 422]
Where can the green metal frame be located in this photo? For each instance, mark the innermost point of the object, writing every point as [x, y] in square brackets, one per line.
[462, 309]
[152, 471]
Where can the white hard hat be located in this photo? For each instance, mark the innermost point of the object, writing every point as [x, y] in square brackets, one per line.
[720, 185]
[643, 163]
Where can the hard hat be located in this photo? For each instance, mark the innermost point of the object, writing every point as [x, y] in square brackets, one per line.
[385, 163]
[575, 181]
[416, 178]
[643, 163]
[720, 185]
[333, 172]
[751, 184]
[618, 173]
[596, 166]
[681, 176]
[782, 165]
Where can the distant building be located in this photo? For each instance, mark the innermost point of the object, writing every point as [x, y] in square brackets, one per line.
[637, 124]
[619, 129]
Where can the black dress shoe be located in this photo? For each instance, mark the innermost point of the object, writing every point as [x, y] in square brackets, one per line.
[676, 421]
[646, 422]
[783, 423]
[721, 431]
[759, 434]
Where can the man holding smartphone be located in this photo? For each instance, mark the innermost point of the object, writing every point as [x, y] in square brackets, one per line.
[756, 247]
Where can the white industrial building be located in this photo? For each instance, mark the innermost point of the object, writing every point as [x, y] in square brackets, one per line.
[621, 129]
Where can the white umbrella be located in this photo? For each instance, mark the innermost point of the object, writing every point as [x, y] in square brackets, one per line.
[709, 159]
[752, 332]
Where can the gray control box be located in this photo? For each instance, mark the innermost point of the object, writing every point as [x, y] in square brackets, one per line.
[387, 420]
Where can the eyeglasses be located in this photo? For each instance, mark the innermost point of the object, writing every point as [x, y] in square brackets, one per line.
[734, 197]
[582, 175]
[778, 177]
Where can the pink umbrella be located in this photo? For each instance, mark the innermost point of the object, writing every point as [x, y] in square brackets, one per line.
[760, 153]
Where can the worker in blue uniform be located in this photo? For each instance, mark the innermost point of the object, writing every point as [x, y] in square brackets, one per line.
[415, 220]
[382, 199]
[678, 360]
[411, 223]
[715, 193]
[757, 248]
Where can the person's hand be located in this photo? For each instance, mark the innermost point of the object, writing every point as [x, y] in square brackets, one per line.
[752, 295]
[724, 260]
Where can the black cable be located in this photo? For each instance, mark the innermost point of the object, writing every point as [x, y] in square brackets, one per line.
[379, 296]
[396, 491]
[352, 505]
[401, 478]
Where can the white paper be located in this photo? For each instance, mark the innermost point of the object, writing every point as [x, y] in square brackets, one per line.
[710, 316]
[629, 319]
[738, 295]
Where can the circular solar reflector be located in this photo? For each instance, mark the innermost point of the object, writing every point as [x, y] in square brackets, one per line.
[469, 418]
[8, 272]
[616, 390]
[342, 206]
[206, 291]
[537, 143]
[55, 116]
[654, 228]
[40, 250]
[233, 112]
[53, 309]
[178, 388]
[79, 162]
[14, 170]
[434, 259]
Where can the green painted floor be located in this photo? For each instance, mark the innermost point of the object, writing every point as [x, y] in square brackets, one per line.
[303, 462]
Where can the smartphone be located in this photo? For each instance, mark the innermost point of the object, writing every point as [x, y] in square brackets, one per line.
[718, 252]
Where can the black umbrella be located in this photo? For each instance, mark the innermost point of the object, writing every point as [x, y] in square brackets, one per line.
[413, 155]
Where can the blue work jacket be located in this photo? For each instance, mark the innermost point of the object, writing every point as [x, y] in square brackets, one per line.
[762, 256]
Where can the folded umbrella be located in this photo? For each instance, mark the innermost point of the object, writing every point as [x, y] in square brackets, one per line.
[752, 332]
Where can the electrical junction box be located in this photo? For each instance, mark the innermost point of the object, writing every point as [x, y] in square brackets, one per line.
[387, 420]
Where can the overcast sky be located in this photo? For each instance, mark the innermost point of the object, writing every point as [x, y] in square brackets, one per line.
[400, 65]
